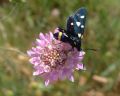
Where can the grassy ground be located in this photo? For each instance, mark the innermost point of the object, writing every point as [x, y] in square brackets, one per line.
[21, 22]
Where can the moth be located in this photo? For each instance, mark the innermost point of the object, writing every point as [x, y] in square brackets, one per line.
[74, 31]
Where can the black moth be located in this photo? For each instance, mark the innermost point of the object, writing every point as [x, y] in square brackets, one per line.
[74, 29]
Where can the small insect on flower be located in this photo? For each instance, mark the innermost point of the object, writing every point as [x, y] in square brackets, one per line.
[53, 60]
[74, 29]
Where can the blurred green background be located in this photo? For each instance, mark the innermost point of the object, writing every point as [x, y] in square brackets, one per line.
[20, 23]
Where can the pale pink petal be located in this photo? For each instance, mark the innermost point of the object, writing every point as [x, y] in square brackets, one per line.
[71, 78]
[47, 82]
[30, 53]
[41, 36]
[81, 53]
[80, 66]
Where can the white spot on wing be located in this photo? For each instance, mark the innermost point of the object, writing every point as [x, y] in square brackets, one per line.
[82, 16]
[71, 23]
[78, 23]
[79, 35]
[82, 26]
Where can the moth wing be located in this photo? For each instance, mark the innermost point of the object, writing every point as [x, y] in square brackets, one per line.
[70, 26]
[79, 21]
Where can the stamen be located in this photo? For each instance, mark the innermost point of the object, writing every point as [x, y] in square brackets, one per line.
[53, 58]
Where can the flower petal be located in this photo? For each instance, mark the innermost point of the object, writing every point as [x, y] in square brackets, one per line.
[71, 78]
[81, 53]
[47, 82]
[41, 36]
[80, 66]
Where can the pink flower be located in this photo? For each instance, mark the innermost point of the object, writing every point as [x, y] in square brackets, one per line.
[54, 60]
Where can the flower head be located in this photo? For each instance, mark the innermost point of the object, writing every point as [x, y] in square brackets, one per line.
[53, 59]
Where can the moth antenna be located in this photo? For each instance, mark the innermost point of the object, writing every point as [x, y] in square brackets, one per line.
[92, 49]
